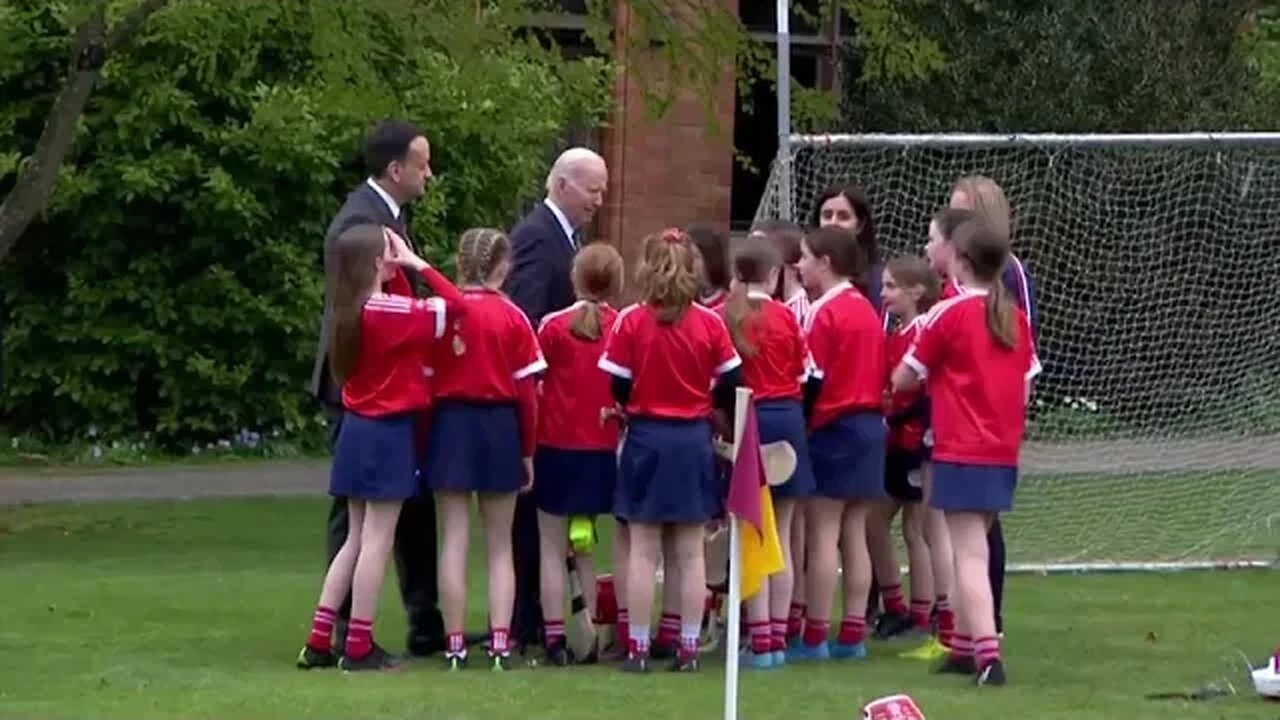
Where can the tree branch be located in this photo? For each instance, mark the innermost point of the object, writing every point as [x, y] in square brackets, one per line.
[35, 182]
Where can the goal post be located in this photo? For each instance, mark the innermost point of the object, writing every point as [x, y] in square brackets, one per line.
[1153, 440]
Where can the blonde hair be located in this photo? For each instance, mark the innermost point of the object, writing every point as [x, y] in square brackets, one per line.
[988, 201]
[670, 273]
[480, 252]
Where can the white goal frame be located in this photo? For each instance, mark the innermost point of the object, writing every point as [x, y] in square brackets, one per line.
[779, 199]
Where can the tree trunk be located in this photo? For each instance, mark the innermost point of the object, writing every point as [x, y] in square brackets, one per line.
[38, 176]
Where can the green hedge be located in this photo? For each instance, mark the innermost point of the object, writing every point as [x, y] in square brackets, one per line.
[175, 283]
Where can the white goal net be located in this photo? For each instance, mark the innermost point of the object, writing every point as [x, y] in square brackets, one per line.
[1154, 437]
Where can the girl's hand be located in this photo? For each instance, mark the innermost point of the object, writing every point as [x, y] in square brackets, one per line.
[528, 475]
[401, 252]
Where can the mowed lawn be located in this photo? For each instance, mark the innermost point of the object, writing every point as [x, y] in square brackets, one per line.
[196, 610]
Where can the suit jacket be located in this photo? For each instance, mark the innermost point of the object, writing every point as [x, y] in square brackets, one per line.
[362, 206]
[540, 281]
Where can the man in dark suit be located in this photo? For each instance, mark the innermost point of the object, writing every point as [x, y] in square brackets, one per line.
[398, 159]
[543, 245]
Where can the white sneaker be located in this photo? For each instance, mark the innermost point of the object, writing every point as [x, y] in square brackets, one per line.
[1266, 679]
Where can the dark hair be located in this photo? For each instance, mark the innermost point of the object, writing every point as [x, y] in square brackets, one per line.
[785, 236]
[351, 269]
[480, 251]
[847, 257]
[949, 219]
[388, 142]
[985, 250]
[861, 209]
[597, 276]
[914, 271]
[713, 245]
[754, 258]
[670, 273]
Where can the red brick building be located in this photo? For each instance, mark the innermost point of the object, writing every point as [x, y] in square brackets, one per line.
[673, 170]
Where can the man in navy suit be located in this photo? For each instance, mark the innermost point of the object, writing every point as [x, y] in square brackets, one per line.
[543, 245]
[397, 157]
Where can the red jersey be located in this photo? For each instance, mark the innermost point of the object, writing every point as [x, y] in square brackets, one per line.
[481, 357]
[574, 391]
[977, 387]
[671, 367]
[715, 301]
[390, 375]
[846, 339]
[798, 304]
[781, 362]
[907, 435]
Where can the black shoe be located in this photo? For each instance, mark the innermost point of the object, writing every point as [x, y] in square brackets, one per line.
[559, 654]
[992, 675]
[664, 651]
[420, 647]
[310, 658]
[891, 625]
[956, 665]
[685, 664]
[376, 659]
[636, 664]
[454, 662]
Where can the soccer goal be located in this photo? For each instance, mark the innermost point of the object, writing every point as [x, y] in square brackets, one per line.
[1154, 436]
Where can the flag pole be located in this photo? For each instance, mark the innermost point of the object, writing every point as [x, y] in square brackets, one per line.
[733, 622]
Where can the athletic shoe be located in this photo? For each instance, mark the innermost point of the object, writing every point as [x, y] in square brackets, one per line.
[756, 661]
[930, 651]
[310, 658]
[559, 654]
[957, 665]
[454, 662]
[992, 675]
[805, 653]
[779, 658]
[892, 625]
[685, 664]
[375, 659]
[848, 651]
[636, 664]
[501, 662]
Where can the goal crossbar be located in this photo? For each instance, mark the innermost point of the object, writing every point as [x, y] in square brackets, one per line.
[976, 140]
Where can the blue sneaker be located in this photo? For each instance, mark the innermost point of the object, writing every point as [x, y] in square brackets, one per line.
[757, 661]
[795, 641]
[855, 651]
[779, 658]
[805, 653]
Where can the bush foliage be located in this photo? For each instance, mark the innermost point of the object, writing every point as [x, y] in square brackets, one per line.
[174, 285]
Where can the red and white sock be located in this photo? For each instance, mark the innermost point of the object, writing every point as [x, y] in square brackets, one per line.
[853, 628]
[689, 641]
[961, 647]
[455, 645]
[920, 613]
[815, 632]
[946, 622]
[761, 637]
[359, 638]
[668, 630]
[795, 619]
[499, 641]
[638, 640]
[322, 623]
[552, 632]
[778, 634]
[623, 629]
[986, 650]
[894, 604]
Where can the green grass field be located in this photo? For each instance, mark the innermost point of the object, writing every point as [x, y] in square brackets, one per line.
[196, 610]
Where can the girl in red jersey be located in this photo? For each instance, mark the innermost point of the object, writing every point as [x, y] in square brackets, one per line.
[908, 289]
[976, 352]
[846, 441]
[664, 355]
[775, 365]
[482, 436]
[377, 349]
[576, 463]
[713, 246]
[786, 237]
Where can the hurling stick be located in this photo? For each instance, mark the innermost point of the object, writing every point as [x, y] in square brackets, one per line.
[583, 641]
[779, 460]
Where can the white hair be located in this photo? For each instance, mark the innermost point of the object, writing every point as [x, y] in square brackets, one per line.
[569, 163]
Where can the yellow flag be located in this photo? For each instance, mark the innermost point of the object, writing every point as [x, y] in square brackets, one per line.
[760, 547]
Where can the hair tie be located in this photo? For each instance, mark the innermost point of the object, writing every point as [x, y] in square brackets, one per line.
[673, 236]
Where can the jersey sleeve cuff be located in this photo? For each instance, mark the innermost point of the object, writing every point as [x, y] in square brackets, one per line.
[728, 365]
[919, 368]
[437, 306]
[1035, 367]
[536, 366]
[614, 368]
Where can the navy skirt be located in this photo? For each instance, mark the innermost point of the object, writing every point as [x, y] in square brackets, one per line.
[668, 473]
[474, 447]
[784, 420]
[973, 488]
[848, 457]
[574, 482]
[373, 458]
